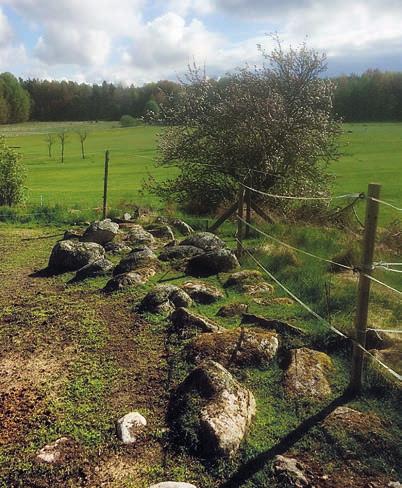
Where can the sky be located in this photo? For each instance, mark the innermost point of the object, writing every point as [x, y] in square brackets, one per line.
[137, 41]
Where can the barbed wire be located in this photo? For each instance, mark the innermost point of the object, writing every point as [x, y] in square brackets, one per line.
[391, 331]
[294, 248]
[317, 316]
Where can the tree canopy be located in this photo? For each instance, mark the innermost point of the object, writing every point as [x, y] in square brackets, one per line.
[14, 100]
[273, 124]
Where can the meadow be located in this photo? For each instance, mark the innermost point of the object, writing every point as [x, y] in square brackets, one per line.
[370, 152]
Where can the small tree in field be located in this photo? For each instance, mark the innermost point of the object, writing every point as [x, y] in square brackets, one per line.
[12, 175]
[82, 134]
[276, 120]
[62, 138]
[49, 141]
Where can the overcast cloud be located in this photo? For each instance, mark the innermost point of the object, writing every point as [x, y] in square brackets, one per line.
[134, 41]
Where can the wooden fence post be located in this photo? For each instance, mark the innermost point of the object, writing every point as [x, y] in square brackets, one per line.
[105, 181]
[370, 229]
[240, 223]
[248, 209]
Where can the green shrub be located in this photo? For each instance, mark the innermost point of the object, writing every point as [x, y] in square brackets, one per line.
[12, 175]
[128, 121]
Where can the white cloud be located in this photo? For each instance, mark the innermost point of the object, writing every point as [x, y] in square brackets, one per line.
[6, 32]
[168, 43]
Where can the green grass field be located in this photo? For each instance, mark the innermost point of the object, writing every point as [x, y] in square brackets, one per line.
[370, 152]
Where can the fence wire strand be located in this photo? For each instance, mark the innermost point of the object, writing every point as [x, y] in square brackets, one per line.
[386, 203]
[318, 317]
[292, 247]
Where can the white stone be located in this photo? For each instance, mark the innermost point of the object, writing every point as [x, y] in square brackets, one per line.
[51, 453]
[129, 426]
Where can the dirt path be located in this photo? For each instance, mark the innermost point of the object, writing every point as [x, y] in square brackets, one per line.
[39, 344]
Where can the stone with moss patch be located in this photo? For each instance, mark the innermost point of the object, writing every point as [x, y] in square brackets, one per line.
[306, 374]
[204, 240]
[138, 258]
[203, 293]
[73, 255]
[101, 231]
[243, 278]
[212, 263]
[137, 236]
[240, 347]
[211, 412]
[165, 298]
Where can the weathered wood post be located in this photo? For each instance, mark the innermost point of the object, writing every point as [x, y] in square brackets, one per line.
[105, 182]
[370, 229]
[248, 208]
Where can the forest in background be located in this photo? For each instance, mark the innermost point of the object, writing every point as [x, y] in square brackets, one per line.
[372, 96]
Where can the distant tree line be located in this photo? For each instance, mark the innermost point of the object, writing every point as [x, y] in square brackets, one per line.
[372, 96]
[67, 100]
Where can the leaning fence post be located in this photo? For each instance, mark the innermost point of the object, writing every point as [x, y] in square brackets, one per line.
[365, 270]
[105, 181]
[240, 223]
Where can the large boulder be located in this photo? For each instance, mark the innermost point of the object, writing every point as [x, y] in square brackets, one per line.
[164, 298]
[212, 411]
[182, 227]
[101, 232]
[240, 347]
[100, 267]
[176, 253]
[306, 374]
[212, 263]
[204, 240]
[73, 255]
[186, 323]
[202, 292]
[125, 280]
[138, 236]
[137, 258]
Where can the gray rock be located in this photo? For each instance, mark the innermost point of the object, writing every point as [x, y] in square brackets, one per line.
[73, 255]
[161, 231]
[202, 292]
[211, 263]
[187, 323]
[221, 409]
[125, 280]
[138, 258]
[165, 298]
[137, 236]
[101, 232]
[290, 472]
[204, 240]
[240, 347]
[182, 227]
[116, 248]
[173, 253]
[129, 426]
[173, 484]
[100, 267]
[306, 374]
[126, 216]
